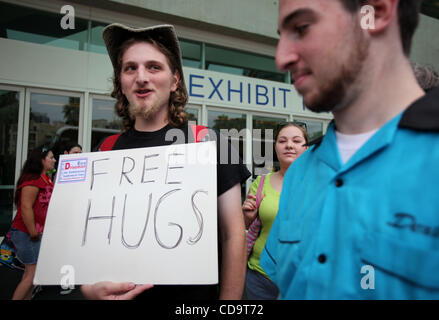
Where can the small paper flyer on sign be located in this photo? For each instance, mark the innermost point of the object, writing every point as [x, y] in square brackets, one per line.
[146, 215]
[72, 170]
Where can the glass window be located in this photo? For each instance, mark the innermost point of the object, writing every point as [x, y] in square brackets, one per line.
[430, 8]
[97, 43]
[233, 123]
[105, 122]
[53, 121]
[313, 128]
[9, 104]
[242, 63]
[263, 144]
[31, 25]
[191, 53]
[192, 114]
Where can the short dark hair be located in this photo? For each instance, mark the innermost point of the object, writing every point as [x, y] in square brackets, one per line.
[408, 18]
[70, 146]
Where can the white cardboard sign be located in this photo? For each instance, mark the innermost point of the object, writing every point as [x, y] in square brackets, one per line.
[145, 215]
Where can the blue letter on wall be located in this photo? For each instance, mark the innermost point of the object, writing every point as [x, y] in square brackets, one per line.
[230, 90]
[191, 85]
[258, 94]
[215, 88]
[285, 95]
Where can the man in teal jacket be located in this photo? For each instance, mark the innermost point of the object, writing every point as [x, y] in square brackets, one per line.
[359, 211]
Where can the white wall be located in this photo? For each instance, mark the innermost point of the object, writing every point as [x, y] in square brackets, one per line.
[30, 64]
[254, 16]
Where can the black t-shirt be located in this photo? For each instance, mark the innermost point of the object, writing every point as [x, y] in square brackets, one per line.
[230, 171]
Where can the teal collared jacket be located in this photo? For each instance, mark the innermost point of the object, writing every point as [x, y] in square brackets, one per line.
[367, 229]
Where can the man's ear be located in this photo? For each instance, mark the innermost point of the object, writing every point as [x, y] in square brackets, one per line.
[176, 81]
[377, 15]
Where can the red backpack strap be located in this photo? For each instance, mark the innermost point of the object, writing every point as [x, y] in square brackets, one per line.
[109, 142]
[196, 129]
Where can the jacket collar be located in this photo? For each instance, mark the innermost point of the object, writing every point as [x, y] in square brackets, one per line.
[423, 114]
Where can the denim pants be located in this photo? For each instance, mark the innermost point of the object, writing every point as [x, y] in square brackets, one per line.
[27, 250]
[259, 287]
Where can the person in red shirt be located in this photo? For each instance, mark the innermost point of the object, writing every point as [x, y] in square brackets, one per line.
[32, 196]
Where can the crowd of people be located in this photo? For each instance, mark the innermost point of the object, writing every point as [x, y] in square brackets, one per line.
[334, 205]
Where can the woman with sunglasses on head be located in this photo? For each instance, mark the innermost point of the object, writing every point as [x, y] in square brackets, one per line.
[32, 196]
[290, 143]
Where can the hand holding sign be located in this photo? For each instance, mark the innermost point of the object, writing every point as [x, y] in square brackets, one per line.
[133, 216]
[113, 291]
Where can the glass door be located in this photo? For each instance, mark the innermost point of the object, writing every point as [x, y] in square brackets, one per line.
[193, 114]
[232, 125]
[104, 121]
[52, 120]
[11, 128]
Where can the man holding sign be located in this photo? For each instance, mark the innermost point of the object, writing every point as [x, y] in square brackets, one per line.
[151, 96]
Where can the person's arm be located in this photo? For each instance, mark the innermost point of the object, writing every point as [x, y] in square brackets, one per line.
[28, 197]
[249, 208]
[234, 254]
[113, 291]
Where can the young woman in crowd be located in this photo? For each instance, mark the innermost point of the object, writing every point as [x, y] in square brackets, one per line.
[32, 196]
[290, 143]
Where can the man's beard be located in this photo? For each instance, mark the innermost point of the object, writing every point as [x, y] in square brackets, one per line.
[143, 112]
[333, 92]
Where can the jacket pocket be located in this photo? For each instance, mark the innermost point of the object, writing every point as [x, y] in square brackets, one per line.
[404, 260]
[287, 234]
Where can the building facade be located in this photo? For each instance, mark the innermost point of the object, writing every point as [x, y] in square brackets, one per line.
[55, 75]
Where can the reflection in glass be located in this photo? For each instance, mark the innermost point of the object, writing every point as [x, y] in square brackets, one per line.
[313, 128]
[191, 53]
[242, 63]
[9, 104]
[53, 121]
[263, 144]
[192, 115]
[105, 122]
[234, 125]
[97, 43]
[37, 26]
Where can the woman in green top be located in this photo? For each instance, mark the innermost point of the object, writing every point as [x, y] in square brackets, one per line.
[290, 141]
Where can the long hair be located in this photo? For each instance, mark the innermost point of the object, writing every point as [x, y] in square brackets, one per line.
[177, 100]
[32, 169]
